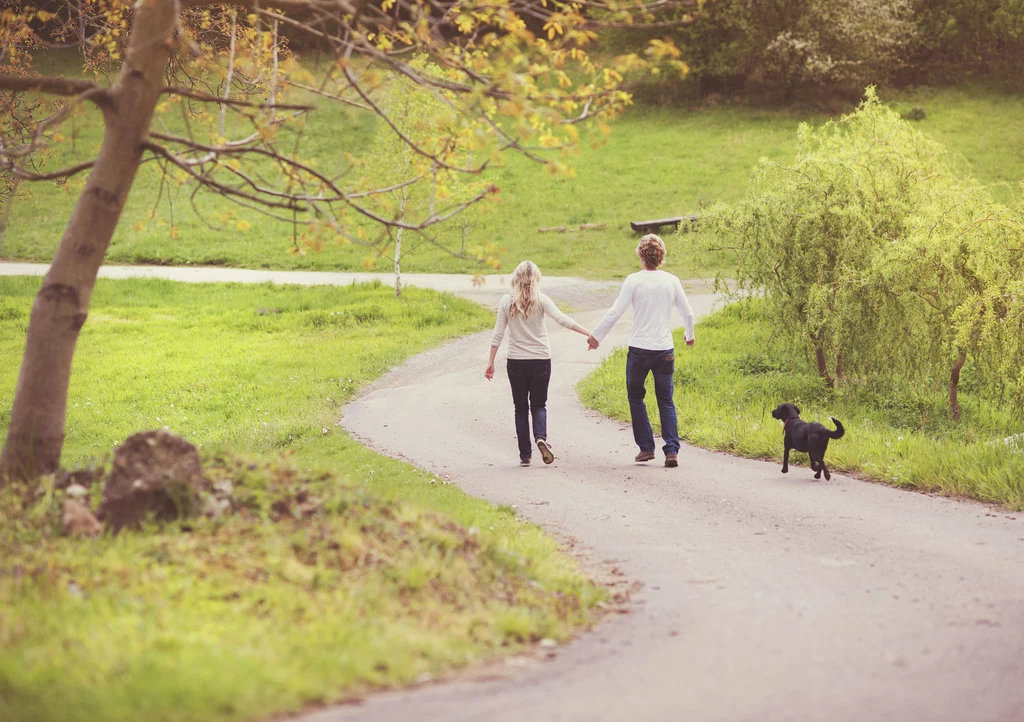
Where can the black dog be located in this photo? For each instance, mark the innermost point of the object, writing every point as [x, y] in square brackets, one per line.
[811, 438]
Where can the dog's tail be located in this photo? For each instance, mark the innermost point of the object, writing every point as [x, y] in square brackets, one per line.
[838, 433]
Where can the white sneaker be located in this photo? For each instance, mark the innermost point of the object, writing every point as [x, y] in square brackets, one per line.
[545, 451]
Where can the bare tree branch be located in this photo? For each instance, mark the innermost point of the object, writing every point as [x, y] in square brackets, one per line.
[227, 150]
[332, 96]
[19, 172]
[56, 86]
[209, 98]
[301, 6]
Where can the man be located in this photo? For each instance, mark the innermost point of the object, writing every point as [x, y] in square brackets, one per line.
[652, 294]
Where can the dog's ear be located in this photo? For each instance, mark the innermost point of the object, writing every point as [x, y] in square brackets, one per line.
[797, 409]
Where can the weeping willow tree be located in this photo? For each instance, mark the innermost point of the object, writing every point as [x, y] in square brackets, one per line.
[879, 260]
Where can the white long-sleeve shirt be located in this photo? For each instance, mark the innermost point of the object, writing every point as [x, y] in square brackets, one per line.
[527, 337]
[653, 295]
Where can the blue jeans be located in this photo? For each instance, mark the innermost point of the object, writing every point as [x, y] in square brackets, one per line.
[529, 381]
[639, 363]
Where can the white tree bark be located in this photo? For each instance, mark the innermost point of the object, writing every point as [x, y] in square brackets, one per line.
[398, 247]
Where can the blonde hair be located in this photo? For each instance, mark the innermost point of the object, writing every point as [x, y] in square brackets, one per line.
[525, 289]
[651, 250]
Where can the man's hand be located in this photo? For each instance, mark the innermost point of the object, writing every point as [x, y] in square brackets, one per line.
[592, 342]
[690, 342]
[489, 372]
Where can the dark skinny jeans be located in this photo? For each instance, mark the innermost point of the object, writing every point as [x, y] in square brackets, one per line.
[529, 381]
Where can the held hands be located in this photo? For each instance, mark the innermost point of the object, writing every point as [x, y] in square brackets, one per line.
[489, 372]
[690, 342]
[592, 342]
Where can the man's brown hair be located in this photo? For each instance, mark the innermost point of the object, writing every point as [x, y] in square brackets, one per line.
[651, 251]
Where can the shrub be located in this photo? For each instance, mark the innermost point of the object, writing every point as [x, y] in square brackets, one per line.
[882, 263]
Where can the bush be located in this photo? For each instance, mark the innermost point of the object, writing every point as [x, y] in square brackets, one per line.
[960, 40]
[830, 45]
[883, 264]
[836, 47]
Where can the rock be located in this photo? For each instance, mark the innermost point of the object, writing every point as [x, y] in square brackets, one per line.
[153, 472]
[78, 520]
[76, 491]
[224, 488]
[915, 113]
[81, 477]
[214, 507]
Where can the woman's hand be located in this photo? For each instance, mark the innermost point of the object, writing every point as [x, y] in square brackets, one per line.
[489, 372]
[592, 342]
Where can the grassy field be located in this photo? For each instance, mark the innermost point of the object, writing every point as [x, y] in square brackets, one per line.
[390, 576]
[658, 162]
[727, 385]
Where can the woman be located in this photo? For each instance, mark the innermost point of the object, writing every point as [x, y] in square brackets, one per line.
[529, 355]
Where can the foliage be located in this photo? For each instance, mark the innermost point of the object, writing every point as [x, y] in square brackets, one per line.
[881, 262]
[507, 88]
[742, 368]
[270, 607]
[23, 116]
[798, 44]
[489, 63]
[799, 47]
[683, 162]
[424, 116]
[962, 39]
[397, 574]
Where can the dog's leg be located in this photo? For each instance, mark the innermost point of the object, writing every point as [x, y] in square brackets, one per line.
[785, 459]
[817, 465]
[825, 469]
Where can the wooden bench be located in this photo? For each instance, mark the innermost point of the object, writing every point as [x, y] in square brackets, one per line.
[655, 226]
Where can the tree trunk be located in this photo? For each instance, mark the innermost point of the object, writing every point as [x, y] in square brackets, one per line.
[820, 360]
[954, 384]
[5, 214]
[36, 432]
[398, 249]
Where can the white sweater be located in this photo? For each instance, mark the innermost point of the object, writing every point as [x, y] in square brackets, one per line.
[527, 337]
[652, 295]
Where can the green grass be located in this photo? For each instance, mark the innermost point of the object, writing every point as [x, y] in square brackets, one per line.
[392, 574]
[728, 383]
[658, 162]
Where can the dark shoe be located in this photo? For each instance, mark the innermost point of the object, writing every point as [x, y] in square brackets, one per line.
[644, 456]
[545, 451]
[671, 461]
[524, 462]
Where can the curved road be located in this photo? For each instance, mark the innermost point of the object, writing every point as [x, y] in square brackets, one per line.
[765, 597]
